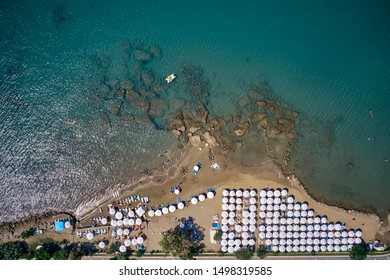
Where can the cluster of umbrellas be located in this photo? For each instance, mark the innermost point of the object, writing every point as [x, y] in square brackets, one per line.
[239, 213]
[202, 197]
[284, 226]
[128, 242]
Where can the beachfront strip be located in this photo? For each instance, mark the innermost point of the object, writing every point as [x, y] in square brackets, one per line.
[280, 224]
[127, 223]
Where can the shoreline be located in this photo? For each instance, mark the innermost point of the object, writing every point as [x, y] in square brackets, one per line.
[231, 175]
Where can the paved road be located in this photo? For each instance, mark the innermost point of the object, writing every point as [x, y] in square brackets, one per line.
[318, 257]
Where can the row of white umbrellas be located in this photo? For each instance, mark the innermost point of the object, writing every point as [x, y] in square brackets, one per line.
[140, 211]
[253, 193]
[315, 248]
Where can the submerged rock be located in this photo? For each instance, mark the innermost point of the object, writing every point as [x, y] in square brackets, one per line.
[157, 107]
[176, 122]
[141, 55]
[202, 113]
[127, 84]
[242, 103]
[255, 96]
[127, 119]
[193, 129]
[131, 94]
[147, 78]
[176, 104]
[141, 104]
[155, 51]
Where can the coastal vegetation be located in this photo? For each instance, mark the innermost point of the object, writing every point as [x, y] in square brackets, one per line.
[358, 252]
[244, 254]
[261, 253]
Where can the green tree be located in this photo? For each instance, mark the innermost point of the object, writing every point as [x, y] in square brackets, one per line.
[122, 256]
[140, 253]
[180, 243]
[42, 253]
[62, 254]
[218, 236]
[11, 251]
[27, 233]
[244, 254]
[358, 252]
[112, 249]
[261, 253]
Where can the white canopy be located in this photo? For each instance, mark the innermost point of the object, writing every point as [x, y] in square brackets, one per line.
[138, 221]
[252, 215]
[270, 207]
[131, 214]
[276, 193]
[290, 199]
[104, 221]
[245, 193]
[232, 193]
[245, 214]
[172, 208]
[238, 228]
[289, 249]
[232, 214]
[102, 244]
[90, 236]
[269, 214]
[245, 228]
[126, 221]
[119, 223]
[277, 200]
[67, 224]
[238, 193]
[252, 208]
[140, 211]
[297, 214]
[231, 235]
[119, 231]
[165, 210]
[351, 233]
[336, 248]
[151, 213]
[112, 211]
[263, 193]
[252, 200]
[252, 193]
[224, 228]
[225, 200]
[310, 221]
[297, 206]
[284, 192]
[358, 233]
[270, 200]
[245, 235]
[261, 235]
[122, 248]
[194, 200]
[127, 242]
[251, 242]
[224, 206]
[290, 206]
[177, 191]
[230, 249]
[237, 242]
[224, 249]
[252, 228]
[283, 207]
[231, 207]
[270, 193]
[304, 206]
[245, 221]
[140, 240]
[224, 221]
[238, 201]
[224, 214]
[231, 200]
[210, 195]
[317, 220]
[263, 200]
[134, 241]
[344, 233]
[231, 221]
[225, 192]
[324, 227]
[126, 231]
[324, 220]
[119, 215]
[310, 213]
[337, 226]
[331, 226]
[132, 222]
[316, 248]
[224, 242]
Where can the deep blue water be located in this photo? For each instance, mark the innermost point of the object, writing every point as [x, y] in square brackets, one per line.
[330, 60]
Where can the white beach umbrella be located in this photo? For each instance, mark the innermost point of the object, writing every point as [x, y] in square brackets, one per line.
[262, 215]
[194, 200]
[202, 197]
[252, 221]
[296, 249]
[122, 248]
[351, 233]
[323, 234]
[323, 248]
[238, 201]
[297, 206]
[252, 208]
[263, 193]
[245, 214]
[112, 211]
[289, 249]
[296, 234]
[113, 233]
[224, 249]
[245, 235]
[269, 215]
[231, 207]
[262, 228]
[358, 233]
[224, 228]
[224, 235]
[337, 226]
[290, 199]
[126, 221]
[290, 221]
[102, 244]
[316, 241]
[140, 240]
[296, 221]
[316, 248]
[317, 227]
[303, 213]
[297, 214]
[336, 248]
[140, 211]
[290, 206]
[284, 192]
[268, 221]
[275, 228]
[134, 241]
[151, 213]
[263, 200]
[252, 215]
[302, 248]
[225, 200]
[276, 207]
[165, 210]
[224, 214]
[289, 242]
[90, 236]
[245, 228]
[132, 222]
[282, 242]
[324, 227]
[282, 228]
[277, 200]
[275, 242]
[268, 228]
[283, 207]
[316, 234]
[246, 193]
[225, 192]
[119, 231]
[283, 221]
[270, 193]
[119, 223]
[344, 233]
[275, 248]
[310, 227]
[104, 221]
[329, 241]
[224, 221]
[303, 221]
[331, 227]
[238, 228]
[224, 242]
[270, 207]
[323, 241]
[351, 240]
[238, 207]
[310, 221]
[67, 224]
[270, 200]
[309, 234]
[304, 206]
[232, 193]
[253, 193]
[252, 200]
[230, 249]
[268, 234]
[290, 213]
[330, 234]
[302, 235]
[138, 221]
[231, 200]
[239, 193]
[177, 191]
[275, 220]
[131, 214]
[251, 242]
[245, 221]
[231, 221]
[344, 241]
[324, 219]
[309, 248]
[119, 215]
[344, 248]
[309, 241]
[237, 242]
[329, 248]
[275, 234]
[310, 213]
[317, 220]
[172, 208]
[210, 195]
[276, 193]
[337, 241]
[126, 231]
[276, 214]
[262, 235]
[224, 206]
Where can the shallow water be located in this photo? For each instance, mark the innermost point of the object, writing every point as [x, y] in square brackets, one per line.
[329, 61]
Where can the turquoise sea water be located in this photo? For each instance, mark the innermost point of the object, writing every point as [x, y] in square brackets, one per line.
[330, 60]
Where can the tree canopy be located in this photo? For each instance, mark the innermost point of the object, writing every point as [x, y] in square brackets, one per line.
[244, 254]
[11, 251]
[358, 252]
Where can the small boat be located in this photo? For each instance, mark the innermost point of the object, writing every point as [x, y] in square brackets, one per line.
[170, 78]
